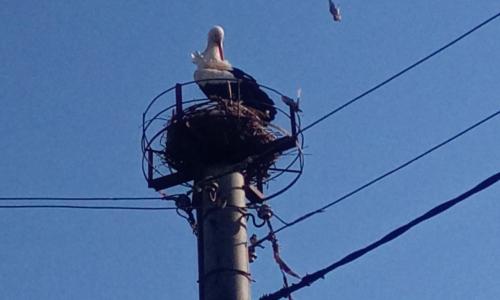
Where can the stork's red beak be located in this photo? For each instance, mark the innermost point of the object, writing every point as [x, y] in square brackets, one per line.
[221, 51]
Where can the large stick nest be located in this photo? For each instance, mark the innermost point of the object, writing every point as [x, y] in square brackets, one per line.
[220, 132]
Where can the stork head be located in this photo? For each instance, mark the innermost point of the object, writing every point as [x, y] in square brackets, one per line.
[215, 39]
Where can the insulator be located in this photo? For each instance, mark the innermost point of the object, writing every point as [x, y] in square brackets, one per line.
[183, 201]
[264, 212]
[211, 188]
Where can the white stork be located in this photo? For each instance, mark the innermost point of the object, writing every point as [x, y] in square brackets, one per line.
[232, 83]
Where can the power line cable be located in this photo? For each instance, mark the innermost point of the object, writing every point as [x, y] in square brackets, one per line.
[83, 198]
[86, 207]
[399, 73]
[309, 279]
[373, 181]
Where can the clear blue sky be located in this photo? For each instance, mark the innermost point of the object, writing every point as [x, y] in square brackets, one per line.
[75, 77]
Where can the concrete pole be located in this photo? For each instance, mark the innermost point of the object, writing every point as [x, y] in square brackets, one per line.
[223, 263]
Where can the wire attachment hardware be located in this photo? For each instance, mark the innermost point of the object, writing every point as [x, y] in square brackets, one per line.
[183, 203]
[264, 212]
[252, 256]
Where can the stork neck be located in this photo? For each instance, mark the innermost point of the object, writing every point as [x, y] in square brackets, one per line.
[212, 52]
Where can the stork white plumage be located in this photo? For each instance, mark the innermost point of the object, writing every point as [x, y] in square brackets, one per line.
[217, 78]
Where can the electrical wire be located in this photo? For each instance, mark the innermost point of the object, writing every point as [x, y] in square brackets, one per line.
[376, 87]
[95, 207]
[87, 207]
[309, 279]
[373, 181]
[280, 219]
[84, 198]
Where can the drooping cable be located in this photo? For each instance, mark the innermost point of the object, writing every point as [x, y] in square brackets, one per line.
[377, 179]
[309, 279]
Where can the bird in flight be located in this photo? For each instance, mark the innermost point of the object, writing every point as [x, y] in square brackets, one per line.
[335, 11]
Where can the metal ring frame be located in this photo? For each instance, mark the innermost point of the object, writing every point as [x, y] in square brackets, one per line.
[154, 125]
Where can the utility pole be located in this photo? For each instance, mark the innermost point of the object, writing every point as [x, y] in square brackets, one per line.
[224, 272]
[226, 150]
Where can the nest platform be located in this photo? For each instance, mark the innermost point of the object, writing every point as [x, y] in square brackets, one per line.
[220, 132]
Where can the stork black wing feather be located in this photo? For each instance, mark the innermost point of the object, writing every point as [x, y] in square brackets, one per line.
[240, 74]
